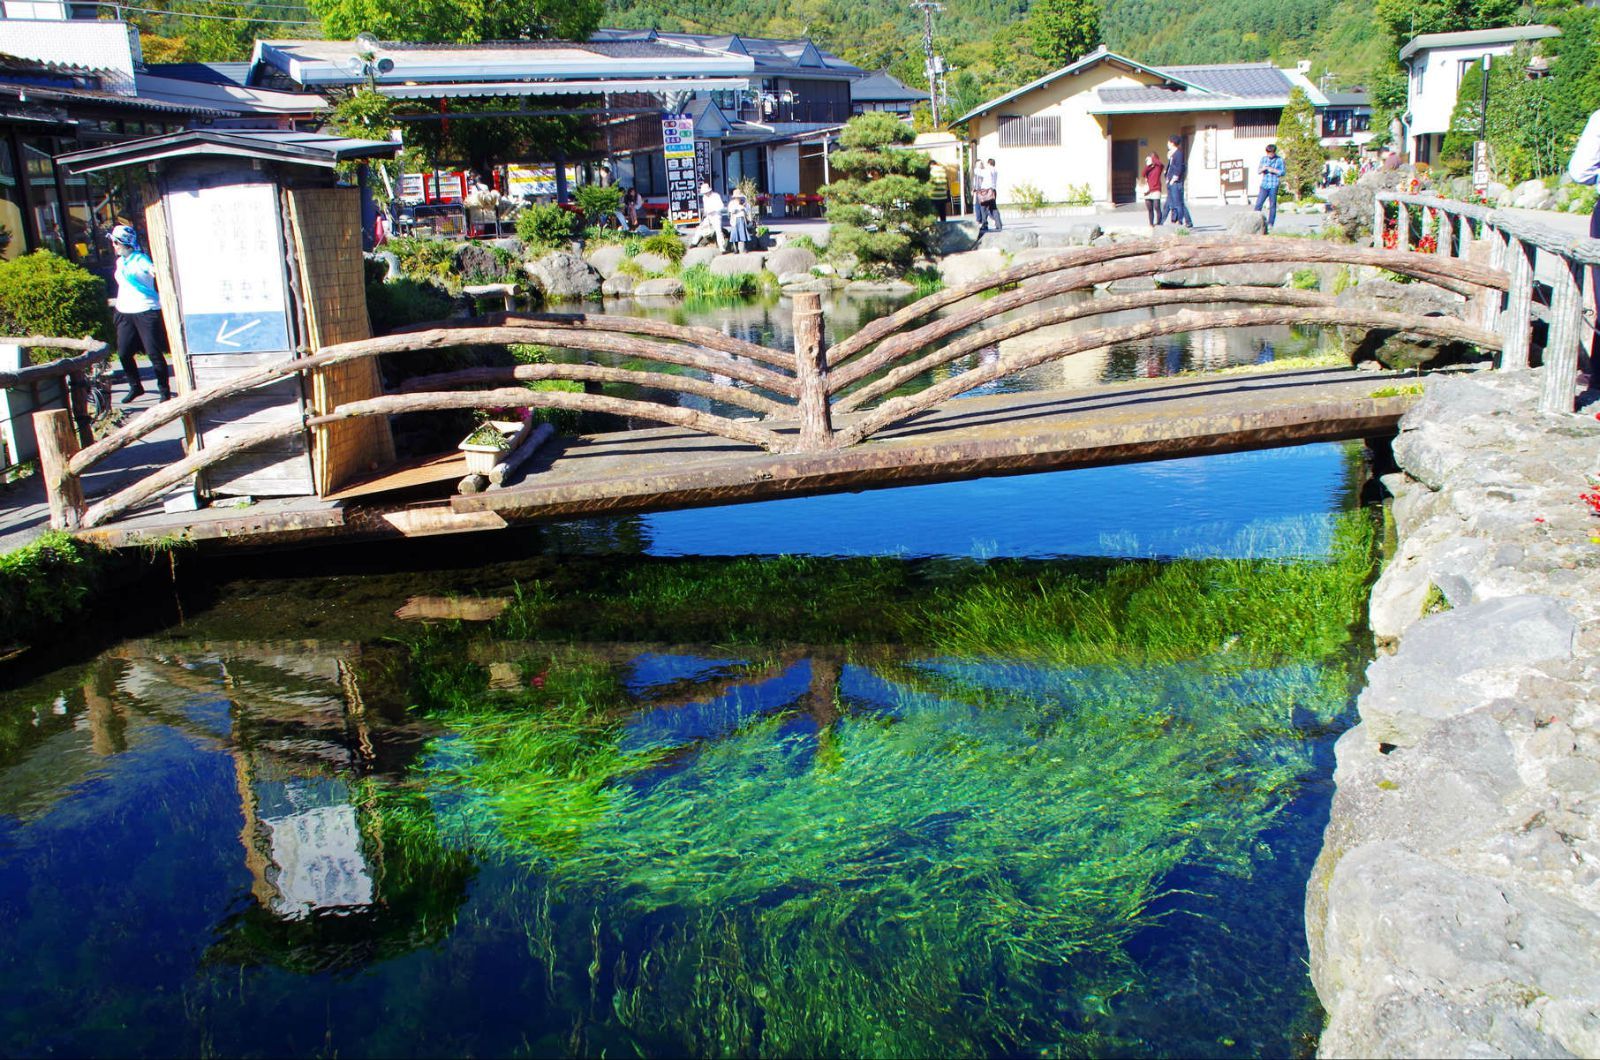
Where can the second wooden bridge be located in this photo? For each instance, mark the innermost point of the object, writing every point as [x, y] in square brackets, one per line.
[859, 415]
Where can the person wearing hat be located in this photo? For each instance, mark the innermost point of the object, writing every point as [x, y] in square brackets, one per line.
[138, 314]
[1271, 170]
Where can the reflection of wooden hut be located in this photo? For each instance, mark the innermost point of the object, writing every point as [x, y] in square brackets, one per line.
[260, 257]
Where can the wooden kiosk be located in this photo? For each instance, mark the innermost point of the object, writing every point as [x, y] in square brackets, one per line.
[259, 259]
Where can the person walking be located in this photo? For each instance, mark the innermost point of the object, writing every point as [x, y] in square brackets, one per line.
[137, 314]
[1271, 169]
[738, 219]
[711, 207]
[987, 183]
[1152, 187]
[1177, 173]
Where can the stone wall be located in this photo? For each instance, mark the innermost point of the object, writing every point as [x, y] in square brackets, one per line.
[1455, 908]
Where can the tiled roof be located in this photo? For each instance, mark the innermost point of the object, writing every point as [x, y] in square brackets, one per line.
[883, 87]
[1246, 80]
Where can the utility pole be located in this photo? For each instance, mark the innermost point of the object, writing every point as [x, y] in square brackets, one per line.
[928, 7]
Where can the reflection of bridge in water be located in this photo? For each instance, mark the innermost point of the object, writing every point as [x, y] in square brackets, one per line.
[743, 421]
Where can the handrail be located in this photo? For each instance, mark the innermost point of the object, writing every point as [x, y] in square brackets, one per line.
[94, 351]
[596, 373]
[1282, 251]
[1103, 305]
[898, 409]
[1581, 249]
[1519, 245]
[1166, 256]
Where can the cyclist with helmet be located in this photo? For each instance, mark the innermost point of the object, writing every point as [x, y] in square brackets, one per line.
[138, 314]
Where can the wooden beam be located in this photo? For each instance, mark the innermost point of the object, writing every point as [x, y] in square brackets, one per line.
[597, 373]
[1565, 337]
[58, 440]
[811, 369]
[901, 408]
[976, 340]
[1516, 325]
[94, 352]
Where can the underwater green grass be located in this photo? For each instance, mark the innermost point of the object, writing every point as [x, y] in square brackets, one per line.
[943, 849]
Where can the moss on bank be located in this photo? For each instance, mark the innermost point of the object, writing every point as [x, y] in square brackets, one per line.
[46, 583]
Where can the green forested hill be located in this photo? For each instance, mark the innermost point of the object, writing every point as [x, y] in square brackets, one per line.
[984, 39]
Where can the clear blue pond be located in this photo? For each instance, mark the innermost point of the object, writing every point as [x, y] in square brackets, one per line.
[1028, 766]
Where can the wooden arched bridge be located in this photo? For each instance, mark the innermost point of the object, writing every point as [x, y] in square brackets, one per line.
[840, 418]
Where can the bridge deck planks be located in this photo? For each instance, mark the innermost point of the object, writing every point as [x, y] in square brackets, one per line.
[664, 468]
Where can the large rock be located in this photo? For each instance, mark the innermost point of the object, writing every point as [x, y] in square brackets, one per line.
[511, 245]
[1428, 960]
[699, 256]
[618, 285]
[606, 258]
[477, 263]
[649, 262]
[1402, 350]
[660, 287]
[798, 276]
[1249, 223]
[957, 269]
[897, 287]
[1009, 240]
[565, 277]
[798, 282]
[790, 259]
[1453, 662]
[735, 264]
[955, 237]
[1531, 195]
[1081, 234]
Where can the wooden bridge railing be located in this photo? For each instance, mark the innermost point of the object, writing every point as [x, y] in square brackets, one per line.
[797, 393]
[1510, 242]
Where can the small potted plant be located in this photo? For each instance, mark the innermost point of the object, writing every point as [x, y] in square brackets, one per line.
[485, 444]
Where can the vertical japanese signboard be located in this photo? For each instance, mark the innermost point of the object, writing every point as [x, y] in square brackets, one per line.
[1480, 165]
[702, 161]
[683, 190]
[230, 269]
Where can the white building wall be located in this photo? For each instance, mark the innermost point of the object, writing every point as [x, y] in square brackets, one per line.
[1435, 76]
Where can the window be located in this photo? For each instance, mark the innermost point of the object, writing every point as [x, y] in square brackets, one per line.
[1256, 123]
[1021, 131]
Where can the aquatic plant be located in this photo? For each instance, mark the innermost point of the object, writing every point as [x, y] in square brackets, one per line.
[874, 851]
[46, 582]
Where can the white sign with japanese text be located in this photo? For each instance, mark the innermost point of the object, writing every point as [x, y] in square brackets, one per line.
[228, 254]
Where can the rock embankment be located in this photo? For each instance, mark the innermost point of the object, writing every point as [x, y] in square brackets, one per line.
[1455, 908]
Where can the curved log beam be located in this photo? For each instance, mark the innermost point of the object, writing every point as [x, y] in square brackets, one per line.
[173, 474]
[93, 350]
[597, 373]
[710, 338]
[1461, 277]
[691, 419]
[1169, 259]
[897, 409]
[713, 362]
[168, 411]
[1096, 306]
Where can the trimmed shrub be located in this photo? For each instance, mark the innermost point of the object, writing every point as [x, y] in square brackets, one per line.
[546, 227]
[45, 294]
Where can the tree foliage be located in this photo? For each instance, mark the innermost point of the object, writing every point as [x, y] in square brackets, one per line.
[460, 21]
[1062, 30]
[204, 31]
[882, 208]
[1300, 145]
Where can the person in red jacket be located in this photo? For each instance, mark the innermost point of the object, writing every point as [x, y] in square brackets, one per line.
[1153, 169]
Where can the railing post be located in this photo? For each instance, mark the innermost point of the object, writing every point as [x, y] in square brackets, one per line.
[1565, 335]
[1402, 226]
[1378, 219]
[811, 372]
[1447, 233]
[58, 441]
[1516, 324]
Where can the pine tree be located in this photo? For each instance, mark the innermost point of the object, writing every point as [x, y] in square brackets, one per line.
[1300, 145]
[1062, 30]
[882, 211]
